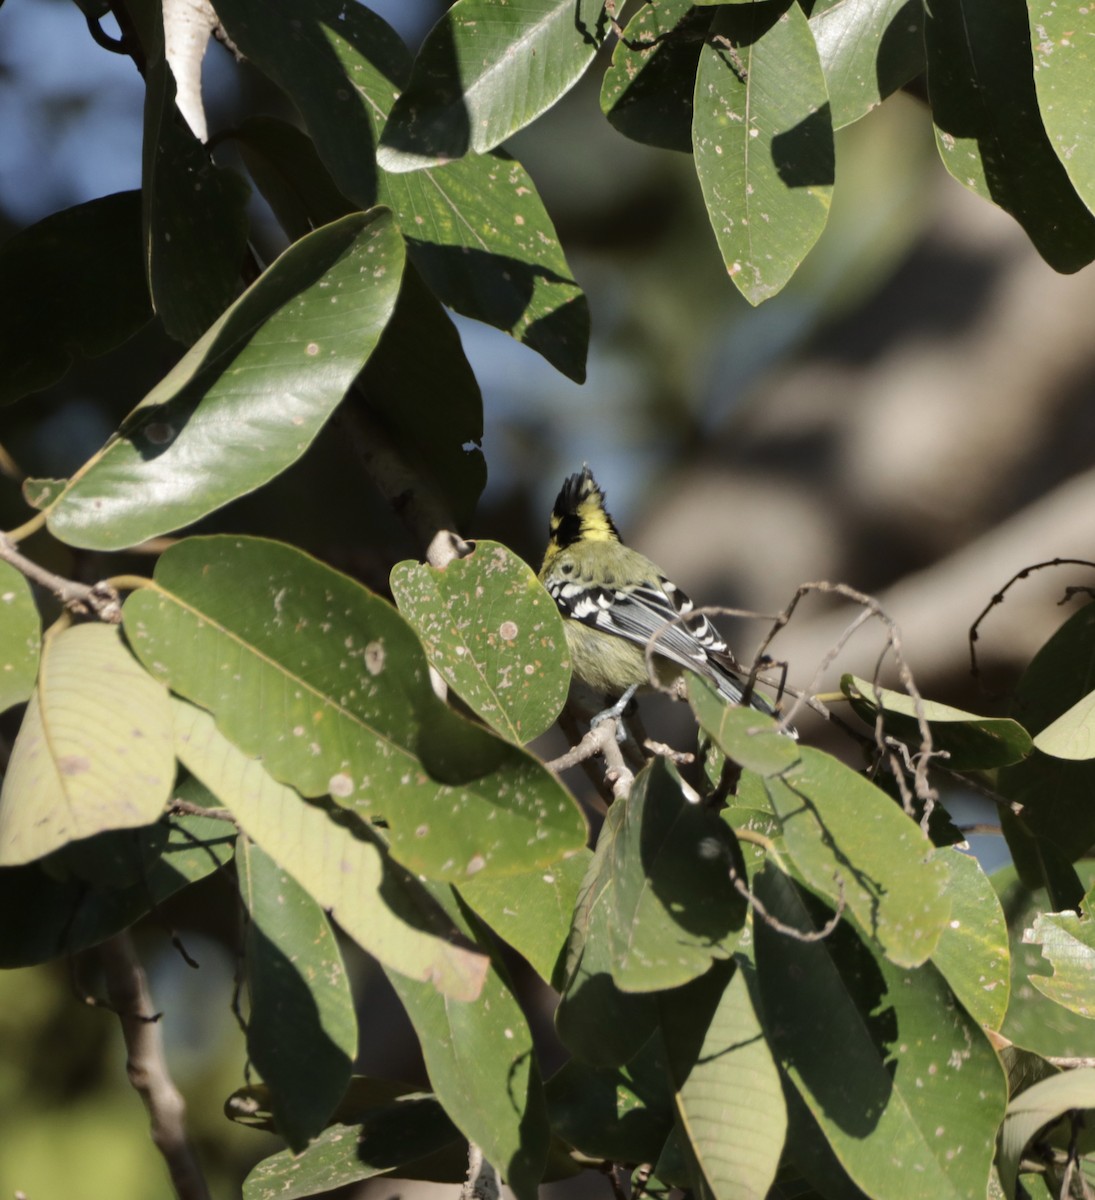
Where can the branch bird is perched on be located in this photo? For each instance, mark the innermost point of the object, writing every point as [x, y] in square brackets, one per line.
[616, 600]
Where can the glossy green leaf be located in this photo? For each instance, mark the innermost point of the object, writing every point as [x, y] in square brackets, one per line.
[301, 1028]
[63, 916]
[271, 371]
[493, 633]
[531, 911]
[480, 1062]
[304, 667]
[663, 899]
[1068, 944]
[972, 743]
[903, 1083]
[728, 1092]
[868, 50]
[20, 638]
[1064, 61]
[763, 141]
[340, 64]
[94, 750]
[1056, 793]
[1072, 735]
[53, 305]
[852, 843]
[647, 91]
[485, 71]
[387, 1138]
[194, 212]
[400, 386]
[1038, 1106]
[748, 737]
[614, 1113]
[972, 953]
[988, 128]
[338, 860]
[479, 235]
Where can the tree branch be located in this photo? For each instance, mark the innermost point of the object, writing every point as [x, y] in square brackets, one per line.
[127, 990]
[98, 598]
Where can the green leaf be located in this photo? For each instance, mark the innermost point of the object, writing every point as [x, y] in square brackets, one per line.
[1038, 1106]
[194, 212]
[304, 667]
[1068, 944]
[94, 751]
[763, 141]
[493, 633]
[728, 1092]
[852, 843]
[480, 1062]
[973, 743]
[647, 91]
[901, 1080]
[20, 638]
[53, 305]
[988, 128]
[64, 916]
[301, 1031]
[400, 384]
[616, 1114]
[338, 860]
[868, 49]
[387, 1138]
[531, 911]
[1056, 793]
[485, 71]
[340, 65]
[271, 370]
[1063, 66]
[478, 233]
[662, 897]
[750, 738]
[1072, 735]
[972, 953]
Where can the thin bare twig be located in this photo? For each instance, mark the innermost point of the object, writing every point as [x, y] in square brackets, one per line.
[599, 740]
[798, 935]
[98, 598]
[127, 990]
[482, 1179]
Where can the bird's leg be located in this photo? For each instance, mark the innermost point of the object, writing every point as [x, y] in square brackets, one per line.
[616, 711]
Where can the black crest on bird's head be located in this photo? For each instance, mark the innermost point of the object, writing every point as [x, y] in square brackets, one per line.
[580, 512]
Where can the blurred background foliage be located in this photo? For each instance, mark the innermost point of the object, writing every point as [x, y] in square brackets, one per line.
[911, 415]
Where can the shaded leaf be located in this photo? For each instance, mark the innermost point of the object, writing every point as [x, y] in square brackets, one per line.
[972, 953]
[901, 1080]
[301, 1029]
[478, 233]
[972, 743]
[493, 633]
[485, 71]
[750, 738]
[867, 50]
[480, 1061]
[1072, 735]
[63, 916]
[728, 1093]
[1038, 1106]
[271, 371]
[988, 128]
[647, 91]
[194, 212]
[20, 638]
[53, 306]
[1063, 65]
[531, 911]
[852, 843]
[389, 1137]
[336, 859]
[94, 750]
[304, 667]
[763, 141]
[1068, 944]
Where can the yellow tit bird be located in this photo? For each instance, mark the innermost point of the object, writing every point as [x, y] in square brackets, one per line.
[616, 600]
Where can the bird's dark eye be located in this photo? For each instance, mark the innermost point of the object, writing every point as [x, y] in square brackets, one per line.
[567, 568]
